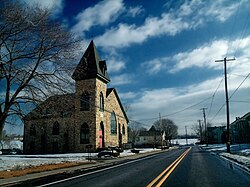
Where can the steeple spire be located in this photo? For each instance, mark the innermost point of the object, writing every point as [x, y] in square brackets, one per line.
[91, 66]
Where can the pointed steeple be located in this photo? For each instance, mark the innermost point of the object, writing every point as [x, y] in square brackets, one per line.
[91, 66]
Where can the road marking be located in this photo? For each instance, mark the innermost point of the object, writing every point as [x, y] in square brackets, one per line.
[168, 171]
[97, 171]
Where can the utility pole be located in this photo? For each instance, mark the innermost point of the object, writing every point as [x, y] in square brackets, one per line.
[186, 135]
[161, 130]
[227, 102]
[205, 123]
[200, 128]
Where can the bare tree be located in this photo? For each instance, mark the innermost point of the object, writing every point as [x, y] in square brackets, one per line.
[134, 130]
[35, 56]
[167, 125]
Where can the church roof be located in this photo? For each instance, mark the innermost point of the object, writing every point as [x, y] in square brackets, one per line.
[53, 105]
[108, 92]
[91, 66]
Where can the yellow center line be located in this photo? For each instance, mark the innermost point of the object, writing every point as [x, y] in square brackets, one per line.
[169, 170]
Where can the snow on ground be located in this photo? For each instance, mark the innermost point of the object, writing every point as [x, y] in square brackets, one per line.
[184, 142]
[13, 162]
[13, 144]
[240, 153]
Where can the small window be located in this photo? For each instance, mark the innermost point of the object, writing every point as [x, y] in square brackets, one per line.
[85, 101]
[123, 130]
[32, 130]
[84, 134]
[55, 130]
[113, 127]
[101, 102]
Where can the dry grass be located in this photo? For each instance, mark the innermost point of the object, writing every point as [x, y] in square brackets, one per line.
[36, 169]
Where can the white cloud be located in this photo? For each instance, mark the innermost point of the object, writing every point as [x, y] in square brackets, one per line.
[156, 65]
[204, 57]
[183, 104]
[115, 65]
[128, 95]
[56, 7]
[121, 79]
[102, 14]
[190, 15]
[134, 11]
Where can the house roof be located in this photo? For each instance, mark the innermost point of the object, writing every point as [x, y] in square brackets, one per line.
[246, 117]
[150, 133]
[108, 92]
[91, 66]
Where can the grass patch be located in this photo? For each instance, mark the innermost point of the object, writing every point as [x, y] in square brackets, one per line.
[37, 169]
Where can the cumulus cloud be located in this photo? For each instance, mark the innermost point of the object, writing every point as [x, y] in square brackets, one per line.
[121, 79]
[183, 104]
[204, 57]
[134, 11]
[190, 15]
[115, 65]
[156, 65]
[101, 14]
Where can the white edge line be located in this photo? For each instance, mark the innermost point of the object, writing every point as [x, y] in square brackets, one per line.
[97, 171]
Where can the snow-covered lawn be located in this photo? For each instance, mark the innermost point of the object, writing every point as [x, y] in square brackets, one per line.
[240, 153]
[13, 162]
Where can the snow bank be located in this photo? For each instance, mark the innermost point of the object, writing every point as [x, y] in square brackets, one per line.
[240, 153]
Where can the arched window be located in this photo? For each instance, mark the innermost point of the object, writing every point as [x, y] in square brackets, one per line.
[123, 129]
[32, 130]
[113, 127]
[84, 134]
[101, 102]
[55, 130]
[85, 101]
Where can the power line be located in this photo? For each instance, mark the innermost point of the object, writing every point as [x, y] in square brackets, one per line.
[211, 104]
[239, 86]
[148, 119]
[217, 112]
[240, 101]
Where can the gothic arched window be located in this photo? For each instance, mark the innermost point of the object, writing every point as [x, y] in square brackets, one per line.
[55, 130]
[32, 130]
[113, 127]
[84, 134]
[101, 102]
[123, 129]
[85, 101]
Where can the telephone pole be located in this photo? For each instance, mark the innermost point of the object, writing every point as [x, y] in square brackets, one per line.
[227, 102]
[205, 123]
[200, 129]
[161, 130]
[186, 135]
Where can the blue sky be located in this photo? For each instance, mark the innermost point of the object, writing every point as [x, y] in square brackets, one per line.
[161, 54]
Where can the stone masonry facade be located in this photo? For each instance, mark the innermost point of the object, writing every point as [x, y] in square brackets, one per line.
[61, 125]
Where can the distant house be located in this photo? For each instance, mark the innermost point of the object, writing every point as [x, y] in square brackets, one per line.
[240, 129]
[150, 138]
[215, 134]
[90, 118]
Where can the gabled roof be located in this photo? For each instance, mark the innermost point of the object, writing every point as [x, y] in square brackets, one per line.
[108, 92]
[91, 66]
[246, 117]
[54, 105]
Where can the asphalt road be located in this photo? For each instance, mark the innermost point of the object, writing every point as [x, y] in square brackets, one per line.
[189, 167]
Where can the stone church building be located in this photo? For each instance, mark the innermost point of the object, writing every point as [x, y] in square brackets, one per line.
[92, 117]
